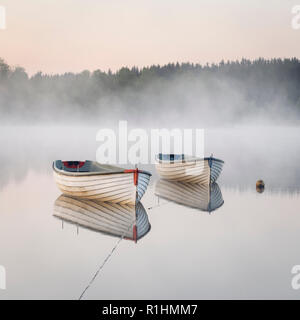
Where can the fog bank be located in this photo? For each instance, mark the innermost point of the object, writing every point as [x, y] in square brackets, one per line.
[241, 92]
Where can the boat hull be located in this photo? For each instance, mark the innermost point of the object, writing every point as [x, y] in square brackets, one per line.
[92, 180]
[200, 171]
[115, 188]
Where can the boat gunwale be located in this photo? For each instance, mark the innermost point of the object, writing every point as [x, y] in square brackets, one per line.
[93, 173]
[195, 159]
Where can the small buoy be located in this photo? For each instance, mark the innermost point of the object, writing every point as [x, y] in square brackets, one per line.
[260, 186]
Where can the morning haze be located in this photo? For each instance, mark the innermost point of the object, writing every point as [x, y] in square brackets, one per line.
[240, 92]
[67, 35]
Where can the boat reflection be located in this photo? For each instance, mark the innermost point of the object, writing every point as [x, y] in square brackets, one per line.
[199, 196]
[130, 222]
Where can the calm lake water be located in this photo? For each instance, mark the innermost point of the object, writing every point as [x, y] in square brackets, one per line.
[244, 249]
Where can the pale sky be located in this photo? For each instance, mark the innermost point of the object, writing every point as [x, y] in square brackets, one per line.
[56, 36]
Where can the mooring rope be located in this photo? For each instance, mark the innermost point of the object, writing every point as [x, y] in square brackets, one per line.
[104, 262]
[112, 251]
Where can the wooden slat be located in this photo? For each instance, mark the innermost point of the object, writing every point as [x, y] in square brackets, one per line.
[191, 171]
[115, 187]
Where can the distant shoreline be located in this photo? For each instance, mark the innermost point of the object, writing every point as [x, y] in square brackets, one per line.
[214, 94]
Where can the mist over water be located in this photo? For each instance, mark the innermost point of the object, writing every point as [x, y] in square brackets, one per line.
[250, 154]
[250, 111]
[250, 115]
[252, 236]
[191, 95]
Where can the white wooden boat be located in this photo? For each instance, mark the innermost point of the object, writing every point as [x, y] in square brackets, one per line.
[188, 169]
[130, 222]
[92, 180]
[204, 197]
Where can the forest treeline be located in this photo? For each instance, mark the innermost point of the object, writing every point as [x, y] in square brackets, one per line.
[184, 93]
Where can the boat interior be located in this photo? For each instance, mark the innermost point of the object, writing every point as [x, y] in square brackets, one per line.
[87, 166]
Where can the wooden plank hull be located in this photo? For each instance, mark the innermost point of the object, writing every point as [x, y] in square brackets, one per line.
[199, 171]
[118, 186]
[130, 222]
[205, 197]
[143, 181]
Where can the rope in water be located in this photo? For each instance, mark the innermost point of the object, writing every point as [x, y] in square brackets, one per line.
[111, 252]
[104, 262]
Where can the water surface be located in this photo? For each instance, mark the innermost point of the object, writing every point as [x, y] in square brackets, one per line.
[244, 249]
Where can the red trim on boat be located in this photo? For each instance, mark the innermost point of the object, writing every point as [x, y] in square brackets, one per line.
[135, 174]
[134, 234]
[73, 164]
